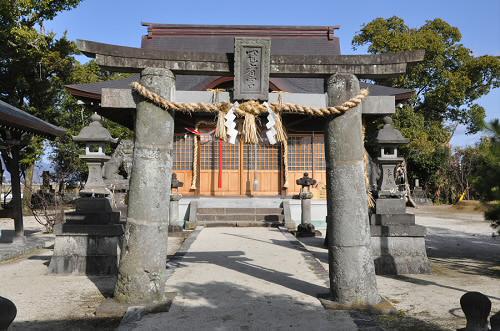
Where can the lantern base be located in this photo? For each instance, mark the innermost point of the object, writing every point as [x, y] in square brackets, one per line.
[89, 240]
[397, 243]
[305, 230]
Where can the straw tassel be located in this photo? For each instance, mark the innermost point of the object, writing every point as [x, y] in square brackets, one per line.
[250, 130]
[220, 129]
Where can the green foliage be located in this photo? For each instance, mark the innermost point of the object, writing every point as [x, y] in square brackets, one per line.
[447, 83]
[450, 78]
[428, 148]
[31, 12]
[33, 65]
[486, 178]
[73, 116]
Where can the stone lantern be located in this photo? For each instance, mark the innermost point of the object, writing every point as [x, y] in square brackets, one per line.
[175, 225]
[398, 245]
[389, 139]
[88, 242]
[95, 137]
[305, 228]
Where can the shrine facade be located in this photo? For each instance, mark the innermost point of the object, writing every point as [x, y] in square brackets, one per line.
[219, 168]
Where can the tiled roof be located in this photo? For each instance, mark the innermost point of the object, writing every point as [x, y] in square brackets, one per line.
[14, 118]
[285, 40]
[92, 91]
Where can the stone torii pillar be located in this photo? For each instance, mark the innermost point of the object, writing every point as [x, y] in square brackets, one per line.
[142, 270]
[351, 268]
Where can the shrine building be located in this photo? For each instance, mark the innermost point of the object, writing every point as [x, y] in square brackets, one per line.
[220, 168]
[247, 111]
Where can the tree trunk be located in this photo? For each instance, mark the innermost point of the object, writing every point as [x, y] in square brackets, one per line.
[28, 189]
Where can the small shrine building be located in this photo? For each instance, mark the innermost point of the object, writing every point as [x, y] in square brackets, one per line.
[240, 169]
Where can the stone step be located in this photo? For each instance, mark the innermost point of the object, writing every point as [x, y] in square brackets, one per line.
[223, 202]
[239, 224]
[241, 211]
[240, 217]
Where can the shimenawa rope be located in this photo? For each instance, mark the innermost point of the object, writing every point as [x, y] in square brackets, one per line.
[249, 107]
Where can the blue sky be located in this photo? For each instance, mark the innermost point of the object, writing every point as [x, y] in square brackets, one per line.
[119, 22]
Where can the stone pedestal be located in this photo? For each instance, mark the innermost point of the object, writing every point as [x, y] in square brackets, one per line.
[398, 244]
[175, 225]
[305, 228]
[420, 197]
[89, 240]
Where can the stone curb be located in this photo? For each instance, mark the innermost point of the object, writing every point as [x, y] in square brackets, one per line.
[18, 249]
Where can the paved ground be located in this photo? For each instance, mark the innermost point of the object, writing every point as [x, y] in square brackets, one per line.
[464, 257]
[34, 239]
[255, 278]
[49, 302]
[245, 279]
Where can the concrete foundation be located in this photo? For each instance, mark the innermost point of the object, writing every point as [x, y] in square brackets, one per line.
[92, 253]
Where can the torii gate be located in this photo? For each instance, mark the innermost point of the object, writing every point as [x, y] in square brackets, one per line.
[142, 270]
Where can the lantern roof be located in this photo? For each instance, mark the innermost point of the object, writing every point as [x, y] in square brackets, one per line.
[95, 132]
[388, 135]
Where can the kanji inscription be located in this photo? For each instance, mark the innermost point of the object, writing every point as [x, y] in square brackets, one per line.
[251, 68]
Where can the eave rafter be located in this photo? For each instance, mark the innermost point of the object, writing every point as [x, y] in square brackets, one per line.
[130, 59]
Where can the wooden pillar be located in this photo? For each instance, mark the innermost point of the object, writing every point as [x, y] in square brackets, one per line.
[17, 202]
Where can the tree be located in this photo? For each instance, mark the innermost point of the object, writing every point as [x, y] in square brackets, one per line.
[447, 83]
[68, 168]
[486, 179]
[33, 65]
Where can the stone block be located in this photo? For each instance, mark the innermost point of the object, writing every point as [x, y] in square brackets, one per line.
[399, 255]
[174, 228]
[269, 218]
[210, 211]
[93, 205]
[191, 212]
[287, 215]
[390, 206]
[92, 217]
[84, 265]
[252, 58]
[237, 217]
[86, 249]
[104, 230]
[233, 211]
[205, 218]
[268, 211]
[397, 231]
[397, 219]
